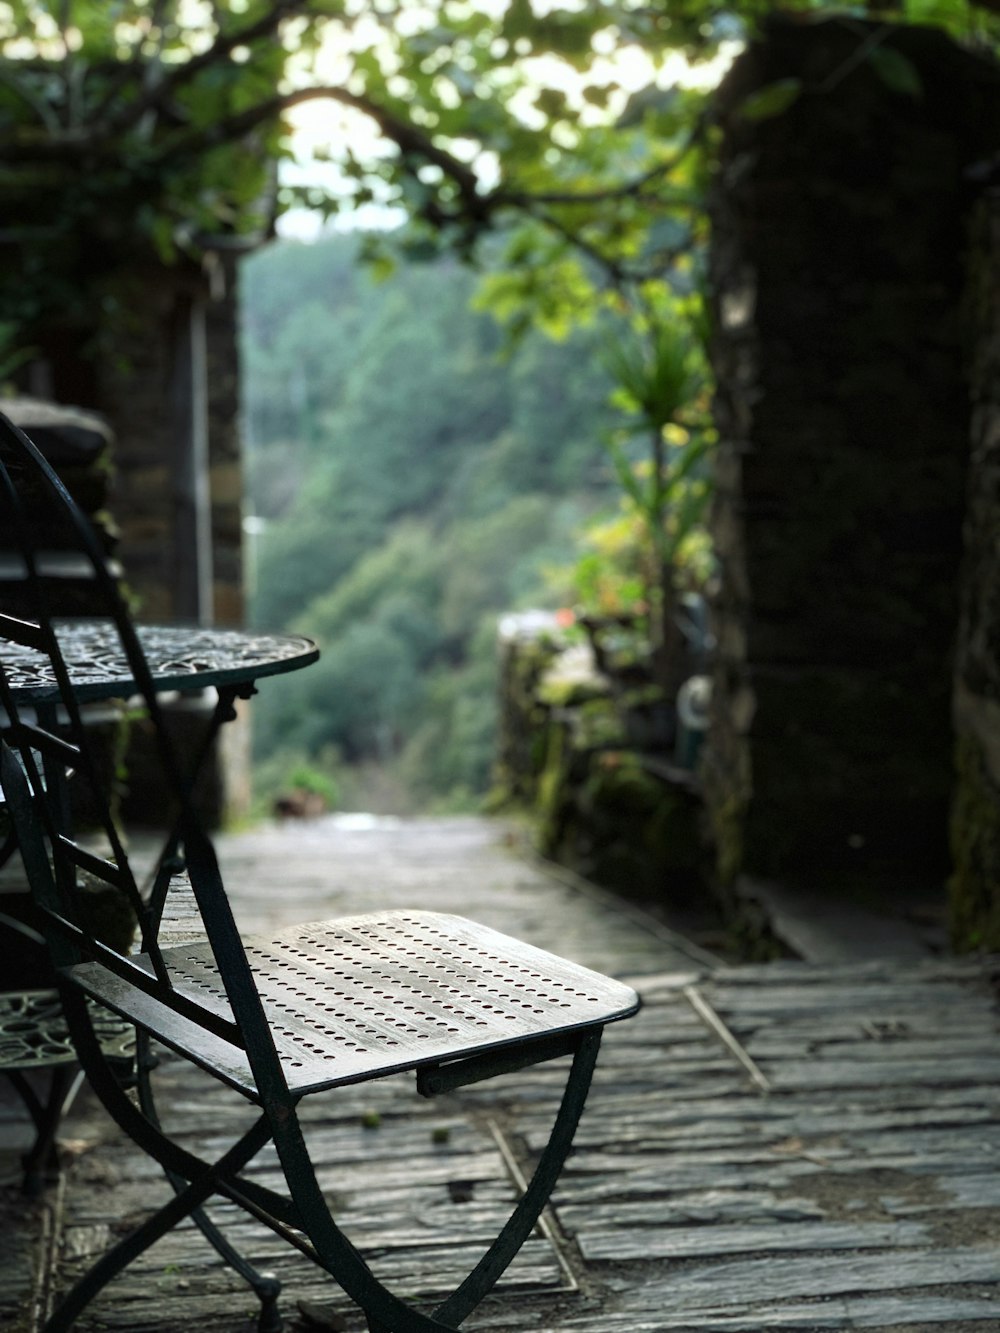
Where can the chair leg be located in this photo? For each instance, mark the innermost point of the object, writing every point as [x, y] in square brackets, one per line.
[305, 1210]
[270, 1207]
[180, 1206]
[179, 1165]
[265, 1286]
[385, 1312]
[491, 1266]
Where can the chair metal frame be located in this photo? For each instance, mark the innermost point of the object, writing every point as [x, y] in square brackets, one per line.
[232, 1031]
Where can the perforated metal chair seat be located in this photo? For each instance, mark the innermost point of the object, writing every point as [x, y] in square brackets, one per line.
[365, 996]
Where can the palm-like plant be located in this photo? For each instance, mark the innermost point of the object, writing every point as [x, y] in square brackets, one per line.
[661, 381]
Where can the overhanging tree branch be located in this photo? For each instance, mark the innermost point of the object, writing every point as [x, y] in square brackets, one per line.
[173, 143]
[24, 90]
[412, 141]
[638, 187]
[416, 144]
[223, 46]
[144, 71]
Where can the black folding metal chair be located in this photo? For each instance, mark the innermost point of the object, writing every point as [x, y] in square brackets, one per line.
[277, 1018]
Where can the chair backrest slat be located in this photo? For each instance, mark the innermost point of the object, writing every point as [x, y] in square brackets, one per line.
[98, 866]
[60, 928]
[56, 747]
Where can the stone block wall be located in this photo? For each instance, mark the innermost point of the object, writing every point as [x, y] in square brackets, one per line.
[162, 371]
[606, 800]
[129, 393]
[838, 265]
[225, 452]
[144, 388]
[170, 389]
[975, 831]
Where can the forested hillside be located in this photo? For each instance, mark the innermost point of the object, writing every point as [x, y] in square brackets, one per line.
[413, 481]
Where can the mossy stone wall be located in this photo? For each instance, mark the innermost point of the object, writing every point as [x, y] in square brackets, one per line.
[603, 798]
[839, 261]
[975, 825]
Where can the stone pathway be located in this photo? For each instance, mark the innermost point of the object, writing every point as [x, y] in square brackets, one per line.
[780, 1147]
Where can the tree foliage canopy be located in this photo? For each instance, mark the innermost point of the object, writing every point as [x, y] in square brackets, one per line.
[130, 126]
[154, 125]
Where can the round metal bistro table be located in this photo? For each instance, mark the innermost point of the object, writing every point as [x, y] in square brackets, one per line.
[181, 658]
[184, 659]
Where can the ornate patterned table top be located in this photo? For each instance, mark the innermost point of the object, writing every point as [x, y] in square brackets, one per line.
[181, 657]
[33, 1031]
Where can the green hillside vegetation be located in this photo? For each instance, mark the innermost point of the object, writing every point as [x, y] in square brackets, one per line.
[415, 481]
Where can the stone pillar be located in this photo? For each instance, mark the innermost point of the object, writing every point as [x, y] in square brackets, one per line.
[169, 387]
[162, 370]
[133, 378]
[975, 883]
[839, 230]
[190, 537]
[225, 451]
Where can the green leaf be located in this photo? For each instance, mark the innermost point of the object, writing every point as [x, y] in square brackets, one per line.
[551, 102]
[772, 100]
[897, 72]
[657, 372]
[647, 100]
[953, 15]
[625, 472]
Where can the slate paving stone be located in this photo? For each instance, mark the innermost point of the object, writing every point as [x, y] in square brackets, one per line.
[855, 1184]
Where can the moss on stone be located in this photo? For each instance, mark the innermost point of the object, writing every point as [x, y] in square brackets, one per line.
[628, 828]
[974, 887]
[550, 796]
[523, 720]
[601, 795]
[728, 819]
[597, 725]
[557, 692]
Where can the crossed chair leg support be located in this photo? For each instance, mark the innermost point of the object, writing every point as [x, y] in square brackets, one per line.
[302, 1218]
[265, 1286]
